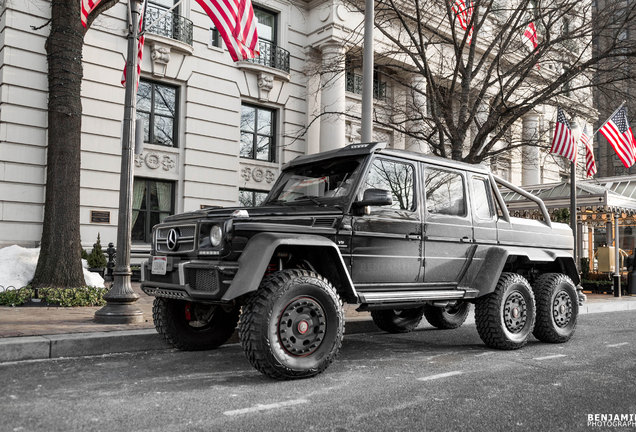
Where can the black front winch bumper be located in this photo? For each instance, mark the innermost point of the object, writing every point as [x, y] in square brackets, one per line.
[191, 280]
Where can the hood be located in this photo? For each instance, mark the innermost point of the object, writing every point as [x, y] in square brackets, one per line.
[255, 212]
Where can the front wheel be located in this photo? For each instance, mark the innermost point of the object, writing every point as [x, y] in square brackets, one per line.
[505, 318]
[449, 317]
[192, 326]
[557, 308]
[292, 326]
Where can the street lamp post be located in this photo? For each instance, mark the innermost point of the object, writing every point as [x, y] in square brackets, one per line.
[120, 308]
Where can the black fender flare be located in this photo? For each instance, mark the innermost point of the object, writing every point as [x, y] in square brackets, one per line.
[258, 253]
[486, 274]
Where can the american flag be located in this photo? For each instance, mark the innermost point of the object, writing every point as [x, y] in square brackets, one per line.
[87, 7]
[236, 24]
[563, 142]
[617, 132]
[140, 47]
[590, 163]
[464, 14]
[531, 35]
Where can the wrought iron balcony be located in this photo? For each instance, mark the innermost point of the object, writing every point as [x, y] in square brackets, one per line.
[354, 85]
[272, 56]
[170, 25]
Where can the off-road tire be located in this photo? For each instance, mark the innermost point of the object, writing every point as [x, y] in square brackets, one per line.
[397, 321]
[557, 308]
[304, 344]
[495, 317]
[447, 318]
[215, 326]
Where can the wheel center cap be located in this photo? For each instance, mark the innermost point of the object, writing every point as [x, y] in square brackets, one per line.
[515, 313]
[562, 309]
[303, 326]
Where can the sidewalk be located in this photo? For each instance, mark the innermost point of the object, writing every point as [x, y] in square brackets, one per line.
[36, 332]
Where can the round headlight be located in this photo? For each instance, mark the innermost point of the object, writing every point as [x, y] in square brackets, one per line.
[216, 235]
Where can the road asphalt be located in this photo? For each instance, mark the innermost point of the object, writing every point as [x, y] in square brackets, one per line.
[28, 333]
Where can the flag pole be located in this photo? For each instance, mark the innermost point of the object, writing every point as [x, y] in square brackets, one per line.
[120, 308]
[367, 73]
[612, 115]
[573, 212]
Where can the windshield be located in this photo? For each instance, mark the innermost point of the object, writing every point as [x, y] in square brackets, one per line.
[317, 182]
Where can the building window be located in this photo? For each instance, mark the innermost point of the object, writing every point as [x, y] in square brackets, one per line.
[157, 107]
[353, 80]
[266, 25]
[153, 201]
[169, 24]
[215, 37]
[258, 128]
[251, 198]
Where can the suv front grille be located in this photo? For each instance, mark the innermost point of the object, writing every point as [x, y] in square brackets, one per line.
[182, 240]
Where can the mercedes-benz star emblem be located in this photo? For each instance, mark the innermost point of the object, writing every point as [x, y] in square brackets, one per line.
[172, 240]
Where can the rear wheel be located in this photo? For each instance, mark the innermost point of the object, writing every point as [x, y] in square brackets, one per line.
[505, 318]
[397, 320]
[292, 326]
[193, 326]
[557, 308]
[449, 317]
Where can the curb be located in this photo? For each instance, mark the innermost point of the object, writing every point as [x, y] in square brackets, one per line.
[98, 343]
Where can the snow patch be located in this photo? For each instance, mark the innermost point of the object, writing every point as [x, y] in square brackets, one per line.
[17, 268]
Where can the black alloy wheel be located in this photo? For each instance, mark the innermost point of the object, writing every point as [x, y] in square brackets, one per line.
[292, 326]
[192, 326]
[449, 317]
[557, 308]
[397, 320]
[505, 318]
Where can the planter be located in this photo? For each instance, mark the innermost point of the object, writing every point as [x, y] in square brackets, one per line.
[97, 270]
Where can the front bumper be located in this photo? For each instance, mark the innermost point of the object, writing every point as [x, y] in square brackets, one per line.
[191, 280]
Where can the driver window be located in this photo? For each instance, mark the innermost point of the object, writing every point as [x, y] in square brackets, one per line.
[396, 177]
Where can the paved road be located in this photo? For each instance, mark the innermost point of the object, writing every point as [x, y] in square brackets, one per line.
[426, 381]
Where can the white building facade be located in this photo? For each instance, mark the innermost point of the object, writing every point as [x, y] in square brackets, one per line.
[216, 132]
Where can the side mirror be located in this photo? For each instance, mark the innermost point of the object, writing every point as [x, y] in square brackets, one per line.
[375, 197]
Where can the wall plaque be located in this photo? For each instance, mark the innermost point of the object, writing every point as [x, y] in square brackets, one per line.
[98, 216]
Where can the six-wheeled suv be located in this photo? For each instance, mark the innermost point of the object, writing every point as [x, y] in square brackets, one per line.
[399, 234]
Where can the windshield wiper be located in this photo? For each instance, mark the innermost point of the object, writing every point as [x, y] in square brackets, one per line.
[310, 198]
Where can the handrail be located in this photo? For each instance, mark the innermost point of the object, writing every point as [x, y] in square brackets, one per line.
[528, 195]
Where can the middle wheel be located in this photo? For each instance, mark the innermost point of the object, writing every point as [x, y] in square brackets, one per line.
[397, 320]
[292, 326]
[449, 317]
[505, 318]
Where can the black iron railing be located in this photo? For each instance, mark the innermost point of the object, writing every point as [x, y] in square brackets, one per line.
[272, 56]
[171, 25]
[354, 85]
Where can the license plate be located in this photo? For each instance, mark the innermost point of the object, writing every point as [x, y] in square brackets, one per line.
[159, 265]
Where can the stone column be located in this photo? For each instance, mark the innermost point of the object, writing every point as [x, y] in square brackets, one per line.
[530, 165]
[332, 124]
[416, 110]
[312, 137]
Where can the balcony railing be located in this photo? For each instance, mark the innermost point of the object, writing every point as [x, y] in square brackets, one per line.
[272, 56]
[354, 85]
[170, 25]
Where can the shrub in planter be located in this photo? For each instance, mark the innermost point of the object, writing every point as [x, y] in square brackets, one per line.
[96, 259]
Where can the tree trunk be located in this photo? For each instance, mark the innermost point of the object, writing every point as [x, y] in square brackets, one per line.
[59, 264]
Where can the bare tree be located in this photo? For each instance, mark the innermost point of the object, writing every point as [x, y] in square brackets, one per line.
[466, 89]
[59, 264]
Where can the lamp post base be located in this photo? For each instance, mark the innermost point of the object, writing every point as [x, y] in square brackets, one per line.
[119, 313]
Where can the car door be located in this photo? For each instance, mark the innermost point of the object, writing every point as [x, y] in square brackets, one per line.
[386, 242]
[448, 230]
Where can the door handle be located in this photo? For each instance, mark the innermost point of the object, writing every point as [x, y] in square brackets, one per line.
[465, 239]
[413, 236]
